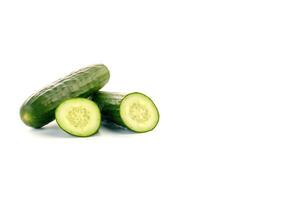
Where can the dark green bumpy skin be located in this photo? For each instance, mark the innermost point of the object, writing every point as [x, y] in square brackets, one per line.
[39, 109]
[109, 104]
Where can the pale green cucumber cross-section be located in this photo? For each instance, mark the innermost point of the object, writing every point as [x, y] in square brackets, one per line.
[79, 117]
[138, 112]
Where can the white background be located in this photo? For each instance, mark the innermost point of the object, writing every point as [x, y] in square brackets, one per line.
[224, 75]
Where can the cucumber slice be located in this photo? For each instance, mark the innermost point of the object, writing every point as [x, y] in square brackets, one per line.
[79, 117]
[134, 111]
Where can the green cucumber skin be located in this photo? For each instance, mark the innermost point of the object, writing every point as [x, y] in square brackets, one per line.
[109, 103]
[39, 109]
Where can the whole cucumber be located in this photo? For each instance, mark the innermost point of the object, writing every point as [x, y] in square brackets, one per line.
[39, 109]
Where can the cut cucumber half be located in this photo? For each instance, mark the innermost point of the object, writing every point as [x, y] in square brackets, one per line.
[134, 111]
[79, 117]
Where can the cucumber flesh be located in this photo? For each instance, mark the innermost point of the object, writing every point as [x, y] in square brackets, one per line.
[138, 112]
[134, 111]
[79, 117]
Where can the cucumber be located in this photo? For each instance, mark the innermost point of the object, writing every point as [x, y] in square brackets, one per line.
[135, 111]
[39, 109]
[79, 117]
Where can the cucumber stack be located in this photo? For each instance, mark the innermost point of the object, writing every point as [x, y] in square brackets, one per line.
[39, 109]
[77, 104]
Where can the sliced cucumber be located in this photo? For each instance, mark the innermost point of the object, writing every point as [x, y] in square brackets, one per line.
[134, 111]
[79, 117]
